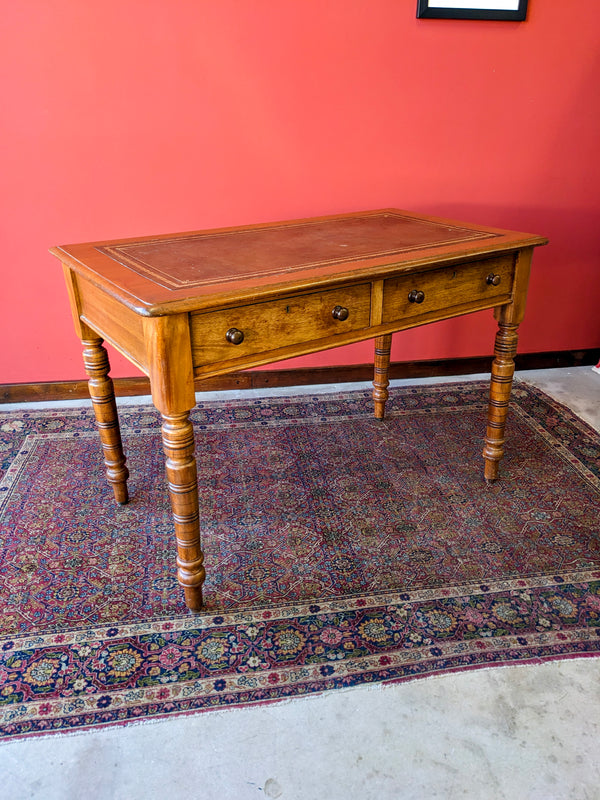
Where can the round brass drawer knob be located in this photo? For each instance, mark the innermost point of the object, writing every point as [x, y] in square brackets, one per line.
[493, 280]
[416, 296]
[234, 336]
[341, 313]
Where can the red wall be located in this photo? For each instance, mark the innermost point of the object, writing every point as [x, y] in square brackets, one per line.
[132, 117]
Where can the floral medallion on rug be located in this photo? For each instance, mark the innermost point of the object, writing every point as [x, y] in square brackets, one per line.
[340, 550]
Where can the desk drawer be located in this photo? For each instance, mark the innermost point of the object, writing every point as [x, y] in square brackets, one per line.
[260, 328]
[475, 284]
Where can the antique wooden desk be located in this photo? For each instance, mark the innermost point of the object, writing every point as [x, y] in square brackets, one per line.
[187, 306]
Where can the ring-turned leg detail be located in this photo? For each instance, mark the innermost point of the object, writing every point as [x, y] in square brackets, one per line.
[503, 368]
[178, 444]
[383, 346]
[102, 394]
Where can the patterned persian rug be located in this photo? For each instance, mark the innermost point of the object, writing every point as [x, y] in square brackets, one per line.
[340, 551]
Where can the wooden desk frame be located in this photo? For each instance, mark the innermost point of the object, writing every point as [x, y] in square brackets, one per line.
[178, 327]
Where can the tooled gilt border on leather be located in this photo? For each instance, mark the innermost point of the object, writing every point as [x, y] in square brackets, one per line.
[119, 253]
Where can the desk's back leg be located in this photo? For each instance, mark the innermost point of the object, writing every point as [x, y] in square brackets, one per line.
[383, 346]
[503, 368]
[102, 393]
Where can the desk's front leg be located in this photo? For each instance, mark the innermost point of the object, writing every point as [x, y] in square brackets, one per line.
[178, 445]
[509, 318]
[171, 377]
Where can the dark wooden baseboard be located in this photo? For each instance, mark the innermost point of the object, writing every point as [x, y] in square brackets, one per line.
[259, 379]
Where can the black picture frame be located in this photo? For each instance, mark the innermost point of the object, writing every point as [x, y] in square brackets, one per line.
[425, 11]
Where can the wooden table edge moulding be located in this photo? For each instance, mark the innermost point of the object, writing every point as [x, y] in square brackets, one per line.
[187, 306]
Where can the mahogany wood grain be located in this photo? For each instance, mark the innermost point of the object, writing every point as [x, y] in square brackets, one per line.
[447, 289]
[120, 326]
[201, 304]
[278, 323]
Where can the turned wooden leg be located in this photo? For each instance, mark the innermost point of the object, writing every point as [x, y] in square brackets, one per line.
[503, 368]
[102, 393]
[383, 346]
[169, 355]
[178, 444]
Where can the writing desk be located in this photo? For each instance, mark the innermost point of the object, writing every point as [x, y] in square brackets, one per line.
[183, 307]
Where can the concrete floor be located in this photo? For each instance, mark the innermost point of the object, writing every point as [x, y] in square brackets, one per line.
[524, 732]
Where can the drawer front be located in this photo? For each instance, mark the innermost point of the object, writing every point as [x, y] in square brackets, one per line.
[477, 284]
[248, 330]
